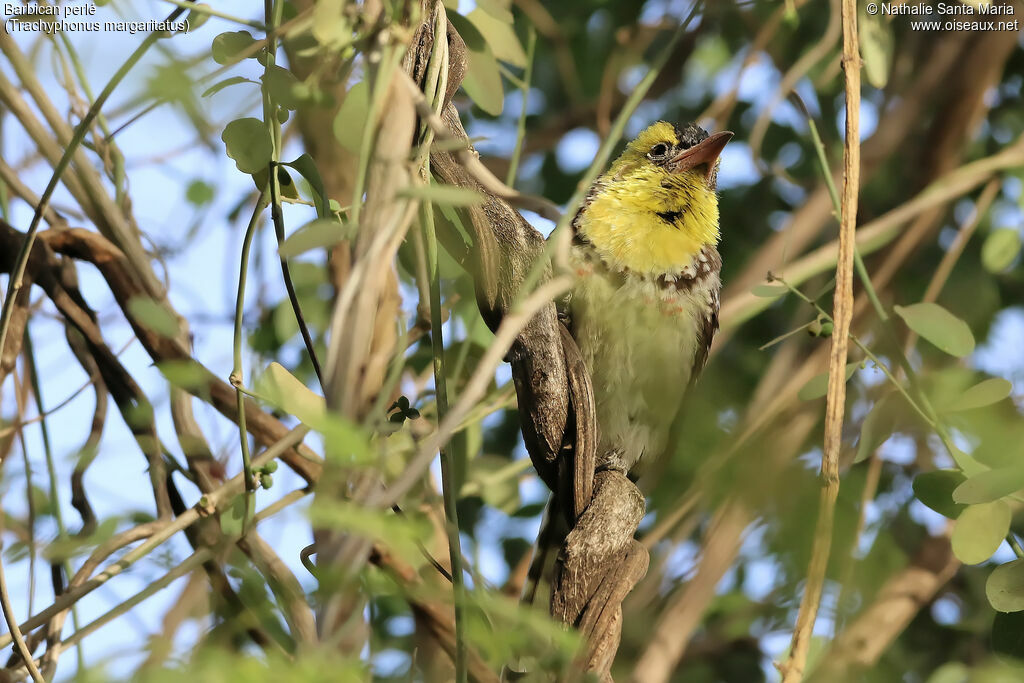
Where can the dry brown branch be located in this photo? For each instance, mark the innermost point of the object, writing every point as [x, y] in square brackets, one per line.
[835, 403]
[361, 320]
[111, 262]
[152, 535]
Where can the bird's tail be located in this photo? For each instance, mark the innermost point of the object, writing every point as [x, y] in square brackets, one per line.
[549, 539]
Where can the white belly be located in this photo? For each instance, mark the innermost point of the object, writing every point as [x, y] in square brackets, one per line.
[638, 343]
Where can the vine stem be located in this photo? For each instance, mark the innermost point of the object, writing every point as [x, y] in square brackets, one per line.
[273, 12]
[434, 89]
[793, 668]
[447, 465]
[51, 473]
[237, 376]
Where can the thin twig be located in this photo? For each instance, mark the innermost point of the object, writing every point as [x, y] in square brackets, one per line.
[513, 162]
[15, 632]
[160, 533]
[952, 255]
[793, 668]
[879, 232]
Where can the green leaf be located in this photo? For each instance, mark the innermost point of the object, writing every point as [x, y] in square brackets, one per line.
[330, 27]
[220, 85]
[984, 393]
[399, 533]
[1005, 587]
[979, 531]
[500, 35]
[877, 428]
[154, 316]
[943, 329]
[483, 78]
[197, 17]
[184, 374]
[499, 9]
[1000, 249]
[935, 489]
[284, 181]
[351, 117]
[1008, 636]
[319, 233]
[306, 167]
[227, 45]
[950, 672]
[281, 388]
[876, 46]
[68, 547]
[769, 291]
[242, 508]
[990, 485]
[817, 386]
[282, 86]
[199, 193]
[967, 463]
[248, 143]
[344, 441]
[442, 194]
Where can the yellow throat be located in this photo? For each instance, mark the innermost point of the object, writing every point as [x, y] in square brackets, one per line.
[656, 208]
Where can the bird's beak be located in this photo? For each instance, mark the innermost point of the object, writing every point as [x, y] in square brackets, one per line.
[704, 153]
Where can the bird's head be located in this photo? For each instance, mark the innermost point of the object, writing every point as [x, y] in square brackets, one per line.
[656, 208]
[685, 157]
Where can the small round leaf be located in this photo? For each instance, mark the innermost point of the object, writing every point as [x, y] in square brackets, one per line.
[154, 316]
[990, 485]
[227, 45]
[199, 193]
[935, 489]
[980, 530]
[248, 143]
[1000, 249]
[1005, 587]
[1008, 635]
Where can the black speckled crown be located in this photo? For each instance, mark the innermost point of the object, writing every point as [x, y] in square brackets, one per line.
[690, 135]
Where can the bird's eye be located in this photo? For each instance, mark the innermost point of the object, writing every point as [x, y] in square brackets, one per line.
[658, 151]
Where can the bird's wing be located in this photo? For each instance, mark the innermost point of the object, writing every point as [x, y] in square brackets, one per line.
[709, 325]
[705, 335]
[594, 190]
